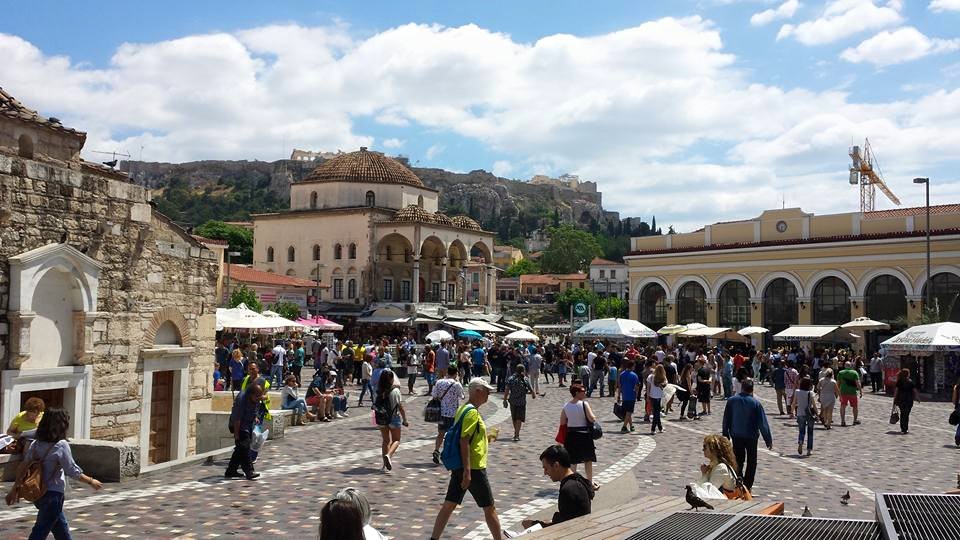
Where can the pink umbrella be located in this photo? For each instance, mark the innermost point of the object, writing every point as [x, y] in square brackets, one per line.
[320, 323]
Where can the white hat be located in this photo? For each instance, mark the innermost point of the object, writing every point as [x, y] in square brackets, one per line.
[477, 383]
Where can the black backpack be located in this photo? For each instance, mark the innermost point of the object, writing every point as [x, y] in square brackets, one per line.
[382, 413]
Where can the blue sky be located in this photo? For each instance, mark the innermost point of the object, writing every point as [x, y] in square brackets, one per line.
[751, 102]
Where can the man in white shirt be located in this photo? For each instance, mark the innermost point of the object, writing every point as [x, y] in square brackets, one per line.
[659, 354]
[591, 356]
[876, 372]
[276, 372]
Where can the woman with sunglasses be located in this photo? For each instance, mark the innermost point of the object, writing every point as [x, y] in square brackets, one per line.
[577, 416]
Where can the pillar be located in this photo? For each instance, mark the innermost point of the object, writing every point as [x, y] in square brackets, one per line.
[491, 287]
[443, 281]
[415, 286]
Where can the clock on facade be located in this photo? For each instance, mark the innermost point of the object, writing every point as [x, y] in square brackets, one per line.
[781, 226]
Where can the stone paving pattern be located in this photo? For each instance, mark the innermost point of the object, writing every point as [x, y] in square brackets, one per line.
[302, 470]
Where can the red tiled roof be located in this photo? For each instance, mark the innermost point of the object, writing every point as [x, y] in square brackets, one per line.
[212, 241]
[571, 277]
[539, 279]
[12, 108]
[604, 262]
[363, 166]
[252, 275]
[912, 211]
[800, 241]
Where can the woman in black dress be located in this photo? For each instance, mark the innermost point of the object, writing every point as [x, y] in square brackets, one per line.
[577, 416]
[904, 394]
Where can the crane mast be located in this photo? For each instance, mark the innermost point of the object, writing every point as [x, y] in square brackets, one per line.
[866, 172]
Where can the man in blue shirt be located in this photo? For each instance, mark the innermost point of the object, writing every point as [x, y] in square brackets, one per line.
[627, 392]
[744, 421]
[443, 359]
[479, 360]
[727, 376]
[242, 418]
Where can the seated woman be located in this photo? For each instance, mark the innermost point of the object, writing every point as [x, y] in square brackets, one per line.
[318, 399]
[291, 400]
[720, 470]
[335, 391]
[24, 424]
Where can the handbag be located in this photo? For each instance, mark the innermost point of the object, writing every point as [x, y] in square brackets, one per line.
[618, 410]
[431, 413]
[595, 429]
[561, 434]
[894, 415]
[740, 491]
[954, 417]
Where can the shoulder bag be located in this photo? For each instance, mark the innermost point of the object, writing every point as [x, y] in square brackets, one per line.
[740, 491]
[596, 430]
[431, 413]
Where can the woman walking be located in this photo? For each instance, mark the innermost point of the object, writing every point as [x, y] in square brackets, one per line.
[577, 416]
[806, 411]
[389, 415]
[687, 382]
[904, 394]
[828, 390]
[704, 377]
[719, 470]
[656, 381]
[53, 451]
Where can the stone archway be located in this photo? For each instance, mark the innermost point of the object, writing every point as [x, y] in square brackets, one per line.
[160, 319]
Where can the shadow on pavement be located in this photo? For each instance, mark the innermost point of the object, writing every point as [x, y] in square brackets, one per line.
[356, 471]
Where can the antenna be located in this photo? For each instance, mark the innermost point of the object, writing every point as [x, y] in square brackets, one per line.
[113, 162]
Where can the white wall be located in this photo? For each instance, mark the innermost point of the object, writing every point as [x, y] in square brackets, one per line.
[52, 332]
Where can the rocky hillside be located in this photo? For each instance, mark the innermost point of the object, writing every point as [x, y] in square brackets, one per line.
[197, 191]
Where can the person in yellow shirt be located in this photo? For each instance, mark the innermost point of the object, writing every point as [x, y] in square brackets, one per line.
[28, 419]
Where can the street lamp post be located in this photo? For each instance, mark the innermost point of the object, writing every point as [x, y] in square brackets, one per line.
[927, 284]
[229, 254]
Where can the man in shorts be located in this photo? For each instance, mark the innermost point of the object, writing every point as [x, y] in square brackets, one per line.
[627, 393]
[449, 391]
[850, 389]
[473, 452]
[518, 386]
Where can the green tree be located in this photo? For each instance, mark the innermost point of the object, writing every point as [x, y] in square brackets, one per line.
[570, 250]
[573, 295]
[522, 267]
[611, 306]
[245, 295]
[287, 310]
[239, 238]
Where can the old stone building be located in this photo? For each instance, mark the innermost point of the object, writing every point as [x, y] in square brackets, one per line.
[107, 308]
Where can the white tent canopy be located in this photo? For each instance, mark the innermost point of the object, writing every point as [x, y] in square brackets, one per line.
[614, 329]
[935, 337]
[752, 330]
[706, 331]
[672, 329]
[865, 323]
[814, 332]
[276, 321]
[243, 318]
[522, 335]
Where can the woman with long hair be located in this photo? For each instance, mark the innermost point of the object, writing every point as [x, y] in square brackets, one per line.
[722, 464]
[828, 390]
[577, 416]
[904, 394]
[656, 382]
[389, 400]
[341, 520]
[687, 384]
[53, 451]
[805, 411]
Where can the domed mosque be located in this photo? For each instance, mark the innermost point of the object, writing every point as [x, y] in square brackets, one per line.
[372, 232]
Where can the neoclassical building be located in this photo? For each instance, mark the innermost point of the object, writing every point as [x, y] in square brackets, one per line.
[789, 267]
[365, 225]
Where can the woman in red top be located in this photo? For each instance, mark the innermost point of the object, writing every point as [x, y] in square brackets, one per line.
[429, 369]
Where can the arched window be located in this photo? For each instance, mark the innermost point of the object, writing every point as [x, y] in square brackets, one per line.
[691, 304]
[831, 302]
[653, 306]
[338, 251]
[291, 254]
[352, 251]
[313, 199]
[389, 253]
[316, 252]
[946, 288]
[734, 300]
[371, 199]
[886, 299]
[269, 254]
[352, 288]
[25, 144]
[780, 305]
[420, 201]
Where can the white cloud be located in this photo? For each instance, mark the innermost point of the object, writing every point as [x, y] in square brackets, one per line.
[502, 168]
[898, 46]
[632, 109]
[938, 6]
[435, 151]
[785, 10]
[393, 143]
[844, 18]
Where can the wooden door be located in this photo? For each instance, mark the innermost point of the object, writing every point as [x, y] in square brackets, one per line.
[161, 417]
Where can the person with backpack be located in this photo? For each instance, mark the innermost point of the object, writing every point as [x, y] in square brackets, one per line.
[465, 456]
[805, 409]
[45, 465]
[449, 391]
[389, 415]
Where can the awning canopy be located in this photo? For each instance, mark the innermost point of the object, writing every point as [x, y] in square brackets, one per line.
[815, 332]
[463, 325]
[374, 319]
[519, 326]
[943, 336]
[706, 331]
[485, 326]
[613, 328]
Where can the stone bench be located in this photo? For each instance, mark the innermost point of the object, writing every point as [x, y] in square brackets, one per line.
[223, 401]
[213, 432]
[107, 461]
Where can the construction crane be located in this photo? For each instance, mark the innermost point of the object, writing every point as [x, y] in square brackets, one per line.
[865, 171]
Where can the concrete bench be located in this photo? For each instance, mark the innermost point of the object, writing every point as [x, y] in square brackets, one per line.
[213, 432]
[223, 401]
[107, 461]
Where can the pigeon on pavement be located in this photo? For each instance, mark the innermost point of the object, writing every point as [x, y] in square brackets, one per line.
[806, 512]
[696, 503]
[845, 499]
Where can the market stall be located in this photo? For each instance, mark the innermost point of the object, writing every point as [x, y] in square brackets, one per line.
[613, 329]
[931, 352]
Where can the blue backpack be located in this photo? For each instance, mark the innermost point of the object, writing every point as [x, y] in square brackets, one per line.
[450, 456]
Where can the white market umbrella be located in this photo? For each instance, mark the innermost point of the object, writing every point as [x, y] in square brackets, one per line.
[522, 335]
[672, 329]
[439, 335]
[752, 330]
[935, 337]
[614, 329]
[241, 318]
[277, 321]
[865, 323]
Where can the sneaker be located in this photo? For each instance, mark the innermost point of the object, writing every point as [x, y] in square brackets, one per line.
[436, 457]
[843, 424]
[800, 449]
[516, 438]
[344, 413]
[623, 429]
[232, 475]
[856, 422]
[631, 429]
[253, 476]
[387, 463]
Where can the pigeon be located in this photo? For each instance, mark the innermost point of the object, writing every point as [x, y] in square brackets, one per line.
[696, 503]
[806, 512]
[958, 481]
[845, 499]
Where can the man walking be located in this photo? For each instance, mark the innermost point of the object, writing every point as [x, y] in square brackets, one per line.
[276, 370]
[242, 417]
[535, 362]
[627, 392]
[850, 390]
[516, 396]
[727, 376]
[744, 421]
[876, 372]
[473, 456]
[576, 492]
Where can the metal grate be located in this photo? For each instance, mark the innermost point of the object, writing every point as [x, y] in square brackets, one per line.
[919, 517]
[750, 527]
[683, 526]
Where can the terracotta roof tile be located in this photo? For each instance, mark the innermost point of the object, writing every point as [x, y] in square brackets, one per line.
[12, 108]
[539, 279]
[912, 211]
[246, 274]
[212, 241]
[571, 277]
[363, 166]
[604, 262]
